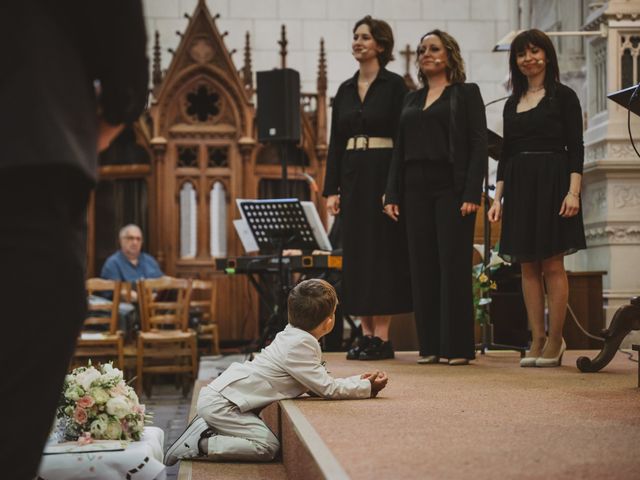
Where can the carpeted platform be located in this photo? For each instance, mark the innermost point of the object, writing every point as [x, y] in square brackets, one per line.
[491, 419]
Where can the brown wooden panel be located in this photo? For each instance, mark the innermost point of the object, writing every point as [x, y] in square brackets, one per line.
[585, 299]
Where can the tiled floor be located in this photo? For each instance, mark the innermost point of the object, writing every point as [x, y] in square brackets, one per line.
[171, 410]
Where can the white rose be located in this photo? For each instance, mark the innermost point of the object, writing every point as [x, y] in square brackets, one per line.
[107, 367]
[100, 395]
[110, 378]
[114, 430]
[118, 407]
[98, 427]
[110, 375]
[133, 396]
[86, 378]
[74, 392]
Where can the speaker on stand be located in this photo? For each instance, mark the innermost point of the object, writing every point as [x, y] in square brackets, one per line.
[278, 118]
[279, 113]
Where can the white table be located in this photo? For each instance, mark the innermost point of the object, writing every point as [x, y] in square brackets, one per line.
[138, 461]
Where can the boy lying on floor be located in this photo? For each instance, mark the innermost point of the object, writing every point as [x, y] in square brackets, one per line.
[227, 426]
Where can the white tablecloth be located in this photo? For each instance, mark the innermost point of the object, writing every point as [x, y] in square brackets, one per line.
[139, 461]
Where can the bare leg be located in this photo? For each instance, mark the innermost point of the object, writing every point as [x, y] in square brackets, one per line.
[367, 325]
[555, 278]
[533, 292]
[381, 326]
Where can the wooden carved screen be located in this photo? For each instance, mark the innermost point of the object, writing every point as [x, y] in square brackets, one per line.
[206, 156]
[203, 173]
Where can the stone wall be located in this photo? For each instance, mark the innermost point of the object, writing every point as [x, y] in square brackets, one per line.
[477, 25]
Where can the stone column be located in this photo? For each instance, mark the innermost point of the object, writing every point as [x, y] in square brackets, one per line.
[611, 182]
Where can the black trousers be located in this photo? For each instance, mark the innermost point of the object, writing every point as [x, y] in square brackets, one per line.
[440, 253]
[42, 303]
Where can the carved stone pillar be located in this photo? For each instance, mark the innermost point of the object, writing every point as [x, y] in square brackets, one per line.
[611, 182]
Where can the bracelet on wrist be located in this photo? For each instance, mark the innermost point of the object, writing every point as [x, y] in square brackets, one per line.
[573, 194]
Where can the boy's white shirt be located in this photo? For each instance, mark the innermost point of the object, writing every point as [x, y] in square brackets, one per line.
[288, 367]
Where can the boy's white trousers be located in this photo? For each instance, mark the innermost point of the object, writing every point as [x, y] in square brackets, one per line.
[238, 436]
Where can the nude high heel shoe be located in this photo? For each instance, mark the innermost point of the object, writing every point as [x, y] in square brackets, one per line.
[552, 362]
[531, 361]
[528, 362]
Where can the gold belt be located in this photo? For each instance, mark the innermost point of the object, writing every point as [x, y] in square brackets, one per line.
[364, 142]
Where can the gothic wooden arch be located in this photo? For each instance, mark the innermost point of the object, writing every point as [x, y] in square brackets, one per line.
[203, 131]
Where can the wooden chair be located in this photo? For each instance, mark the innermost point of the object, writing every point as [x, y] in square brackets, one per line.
[203, 296]
[165, 343]
[100, 337]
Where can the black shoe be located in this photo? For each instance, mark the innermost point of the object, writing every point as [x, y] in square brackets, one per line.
[358, 345]
[377, 350]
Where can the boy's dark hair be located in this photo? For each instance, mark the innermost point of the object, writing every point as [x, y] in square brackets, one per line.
[382, 34]
[310, 303]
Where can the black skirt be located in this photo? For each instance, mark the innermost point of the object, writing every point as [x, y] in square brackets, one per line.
[376, 278]
[535, 185]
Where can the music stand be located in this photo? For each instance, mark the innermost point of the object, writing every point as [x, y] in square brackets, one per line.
[624, 98]
[494, 150]
[278, 224]
[628, 98]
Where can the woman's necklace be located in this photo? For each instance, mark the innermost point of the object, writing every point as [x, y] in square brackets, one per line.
[535, 89]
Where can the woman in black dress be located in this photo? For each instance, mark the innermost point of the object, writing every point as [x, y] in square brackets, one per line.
[365, 116]
[539, 178]
[434, 184]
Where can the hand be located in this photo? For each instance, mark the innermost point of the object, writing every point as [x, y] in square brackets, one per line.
[392, 210]
[133, 296]
[495, 212]
[468, 208]
[570, 206]
[378, 381]
[368, 375]
[333, 204]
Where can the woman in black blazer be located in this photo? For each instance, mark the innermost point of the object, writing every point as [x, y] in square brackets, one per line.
[435, 182]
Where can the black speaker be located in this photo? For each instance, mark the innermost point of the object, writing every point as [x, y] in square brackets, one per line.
[279, 105]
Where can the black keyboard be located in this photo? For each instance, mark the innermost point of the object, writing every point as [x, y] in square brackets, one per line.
[269, 263]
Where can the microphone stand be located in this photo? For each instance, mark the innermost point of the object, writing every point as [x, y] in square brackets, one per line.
[487, 342]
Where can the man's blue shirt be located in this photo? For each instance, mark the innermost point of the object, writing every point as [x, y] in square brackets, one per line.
[118, 267]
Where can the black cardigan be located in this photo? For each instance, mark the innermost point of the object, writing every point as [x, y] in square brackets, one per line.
[467, 142]
[556, 125]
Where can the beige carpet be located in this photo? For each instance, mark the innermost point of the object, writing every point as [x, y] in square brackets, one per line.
[491, 419]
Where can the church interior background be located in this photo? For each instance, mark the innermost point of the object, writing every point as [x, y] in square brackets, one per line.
[178, 171]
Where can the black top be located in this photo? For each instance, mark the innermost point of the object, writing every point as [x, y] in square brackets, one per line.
[433, 136]
[467, 141]
[555, 125]
[376, 116]
[53, 53]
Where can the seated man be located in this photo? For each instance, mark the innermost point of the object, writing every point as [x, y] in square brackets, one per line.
[130, 264]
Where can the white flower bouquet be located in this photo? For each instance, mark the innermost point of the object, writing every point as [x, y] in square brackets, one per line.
[97, 404]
